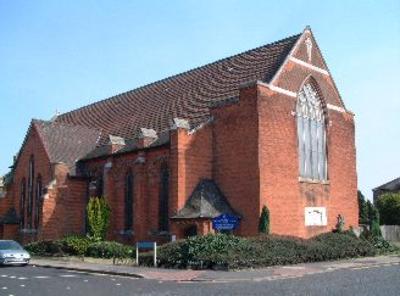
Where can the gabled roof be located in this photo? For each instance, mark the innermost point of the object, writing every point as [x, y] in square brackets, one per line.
[187, 95]
[65, 142]
[390, 186]
[206, 201]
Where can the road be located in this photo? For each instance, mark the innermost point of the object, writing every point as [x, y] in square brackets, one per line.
[24, 281]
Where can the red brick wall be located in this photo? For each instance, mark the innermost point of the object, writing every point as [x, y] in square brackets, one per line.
[146, 191]
[236, 170]
[191, 160]
[33, 147]
[280, 188]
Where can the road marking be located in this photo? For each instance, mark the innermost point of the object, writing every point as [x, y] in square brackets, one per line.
[68, 275]
[85, 281]
[68, 288]
[22, 286]
[22, 278]
[41, 277]
[12, 277]
[4, 275]
[4, 288]
[118, 284]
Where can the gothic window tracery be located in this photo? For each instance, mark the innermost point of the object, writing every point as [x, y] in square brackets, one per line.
[311, 132]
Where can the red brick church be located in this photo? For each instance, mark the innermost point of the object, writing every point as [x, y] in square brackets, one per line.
[264, 127]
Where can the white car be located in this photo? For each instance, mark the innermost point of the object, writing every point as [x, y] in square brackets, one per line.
[12, 253]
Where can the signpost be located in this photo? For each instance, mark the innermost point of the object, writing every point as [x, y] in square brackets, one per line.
[225, 222]
[147, 246]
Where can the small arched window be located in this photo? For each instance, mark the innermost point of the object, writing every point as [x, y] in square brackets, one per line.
[38, 201]
[30, 190]
[22, 202]
[99, 186]
[129, 200]
[311, 132]
[163, 216]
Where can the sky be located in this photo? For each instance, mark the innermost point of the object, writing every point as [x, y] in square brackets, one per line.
[61, 55]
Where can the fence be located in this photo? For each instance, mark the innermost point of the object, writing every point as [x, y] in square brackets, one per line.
[391, 232]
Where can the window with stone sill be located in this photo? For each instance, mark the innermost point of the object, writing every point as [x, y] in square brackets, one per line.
[163, 206]
[311, 134]
[38, 201]
[129, 202]
[31, 173]
[22, 202]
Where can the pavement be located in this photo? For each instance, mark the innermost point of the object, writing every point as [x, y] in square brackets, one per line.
[188, 275]
[364, 278]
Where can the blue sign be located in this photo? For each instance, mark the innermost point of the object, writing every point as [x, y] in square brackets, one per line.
[145, 245]
[225, 222]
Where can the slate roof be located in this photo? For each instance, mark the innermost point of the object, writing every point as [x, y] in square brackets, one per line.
[206, 201]
[187, 95]
[130, 145]
[65, 142]
[389, 186]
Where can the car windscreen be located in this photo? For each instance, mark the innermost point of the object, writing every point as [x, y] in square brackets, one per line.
[10, 245]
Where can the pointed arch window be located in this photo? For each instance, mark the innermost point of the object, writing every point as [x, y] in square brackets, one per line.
[311, 134]
[38, 201]
[22, 202]
[163, 216]
[30, 190]
[129, 200]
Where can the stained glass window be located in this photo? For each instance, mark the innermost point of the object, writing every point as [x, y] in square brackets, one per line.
[311, 134]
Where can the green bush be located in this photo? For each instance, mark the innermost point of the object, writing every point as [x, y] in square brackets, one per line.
[75, 245]
[98, 217]
[388, 205]
[80, 246]
[109, 250]
[263, 226]
[45, 248]
[227, 251]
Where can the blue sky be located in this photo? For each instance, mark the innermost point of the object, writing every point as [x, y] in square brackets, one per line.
[60, 55]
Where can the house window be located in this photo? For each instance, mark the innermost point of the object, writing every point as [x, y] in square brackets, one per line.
[22, 202]
[311, 133]
[129, 200]
[30, 190]
[38, 201]
[163, 200]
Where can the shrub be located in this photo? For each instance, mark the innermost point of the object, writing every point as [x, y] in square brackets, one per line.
[45, 248]
[109, 250]
[228, 251]
[362, 208]
[263, 226]
[98, 217]
[388, 205]
[75, 245]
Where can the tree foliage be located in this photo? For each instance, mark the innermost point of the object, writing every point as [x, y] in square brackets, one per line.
[373, 220]
[98, 212]
[362, 209]
[388, 205]
[263, 226]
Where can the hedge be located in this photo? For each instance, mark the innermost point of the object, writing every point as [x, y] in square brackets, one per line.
[80, 246]
[230, 252]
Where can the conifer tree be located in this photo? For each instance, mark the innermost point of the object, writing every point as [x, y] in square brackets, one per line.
[263, 226]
